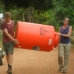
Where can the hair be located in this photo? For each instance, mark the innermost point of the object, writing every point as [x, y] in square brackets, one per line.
[7, 14]
[66, 18]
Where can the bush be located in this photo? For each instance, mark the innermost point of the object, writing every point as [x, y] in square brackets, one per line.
[35, 16]
[17, 13]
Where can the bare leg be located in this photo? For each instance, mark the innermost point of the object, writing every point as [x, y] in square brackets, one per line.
[9, 59]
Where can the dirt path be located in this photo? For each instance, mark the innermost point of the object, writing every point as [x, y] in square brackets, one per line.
[36, 62]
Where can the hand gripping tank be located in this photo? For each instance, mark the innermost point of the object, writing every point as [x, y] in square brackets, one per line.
[32, 35]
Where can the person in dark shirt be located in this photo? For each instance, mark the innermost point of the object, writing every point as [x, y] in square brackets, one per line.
[8, 41]
[64, 45]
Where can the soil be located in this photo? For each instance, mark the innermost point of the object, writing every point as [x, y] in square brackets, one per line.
[37, 62]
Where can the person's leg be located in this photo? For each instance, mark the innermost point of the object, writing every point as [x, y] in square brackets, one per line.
[66, 56]
[60, 56]
[7, 58]
[5, 45]
[10, 56]
[9, 48]
[9, 62]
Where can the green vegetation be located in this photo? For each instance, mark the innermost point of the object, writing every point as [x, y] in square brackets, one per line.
[50, 12]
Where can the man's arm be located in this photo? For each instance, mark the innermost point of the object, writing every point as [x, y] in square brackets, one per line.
[8, 35]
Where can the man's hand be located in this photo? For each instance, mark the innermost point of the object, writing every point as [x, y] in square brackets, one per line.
[9, 36]
[16, 41]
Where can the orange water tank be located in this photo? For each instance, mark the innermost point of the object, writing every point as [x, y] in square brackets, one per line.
[32, 35]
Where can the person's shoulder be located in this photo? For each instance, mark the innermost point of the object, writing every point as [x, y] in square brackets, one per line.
[70, 26]
[12, 20]
[3, 22]
[3, 25]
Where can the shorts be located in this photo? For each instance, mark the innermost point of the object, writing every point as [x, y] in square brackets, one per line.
[8, 47]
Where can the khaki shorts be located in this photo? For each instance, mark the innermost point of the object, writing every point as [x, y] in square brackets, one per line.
[8, 47]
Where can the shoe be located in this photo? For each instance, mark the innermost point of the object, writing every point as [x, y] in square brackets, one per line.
[64, 72]
[9, 71]
[60, 69]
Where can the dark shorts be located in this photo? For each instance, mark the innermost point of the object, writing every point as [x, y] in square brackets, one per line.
[8, 47]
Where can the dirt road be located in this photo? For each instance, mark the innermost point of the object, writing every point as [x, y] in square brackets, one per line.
[36, 62]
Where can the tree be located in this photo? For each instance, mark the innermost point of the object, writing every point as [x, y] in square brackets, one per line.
[64, 9]
[37, 4]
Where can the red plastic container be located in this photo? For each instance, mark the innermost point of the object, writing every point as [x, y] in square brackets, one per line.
[32, 34]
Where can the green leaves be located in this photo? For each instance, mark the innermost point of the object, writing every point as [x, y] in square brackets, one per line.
[44, 11]
[1, 7]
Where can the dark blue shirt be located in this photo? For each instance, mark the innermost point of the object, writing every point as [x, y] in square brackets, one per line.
[63, 39]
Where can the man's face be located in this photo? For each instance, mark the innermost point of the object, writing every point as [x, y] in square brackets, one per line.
[8, 19]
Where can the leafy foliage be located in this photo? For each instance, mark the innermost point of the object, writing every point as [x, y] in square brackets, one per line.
[48, 12]
[1, 7]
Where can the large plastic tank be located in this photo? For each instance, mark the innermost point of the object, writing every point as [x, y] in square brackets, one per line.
[32, 35]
